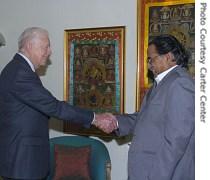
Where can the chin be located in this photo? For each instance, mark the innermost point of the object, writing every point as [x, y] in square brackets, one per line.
[154, 74]
[44, 63]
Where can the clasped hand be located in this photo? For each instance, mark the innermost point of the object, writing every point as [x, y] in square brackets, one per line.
[107, 122]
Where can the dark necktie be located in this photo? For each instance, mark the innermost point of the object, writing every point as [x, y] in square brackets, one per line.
[151, 92]
[154, 84]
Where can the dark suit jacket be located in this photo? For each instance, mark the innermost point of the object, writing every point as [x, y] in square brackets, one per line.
[163, 141]
[25, 107]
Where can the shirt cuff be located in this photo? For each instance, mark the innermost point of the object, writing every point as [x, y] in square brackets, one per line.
[94, 118]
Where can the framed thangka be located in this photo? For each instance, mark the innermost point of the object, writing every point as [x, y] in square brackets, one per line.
[155, 17]
[94, 68]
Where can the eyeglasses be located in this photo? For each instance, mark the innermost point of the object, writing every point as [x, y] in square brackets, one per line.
[150, 59]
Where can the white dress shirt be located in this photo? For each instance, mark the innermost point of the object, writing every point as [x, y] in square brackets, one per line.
[163, 74]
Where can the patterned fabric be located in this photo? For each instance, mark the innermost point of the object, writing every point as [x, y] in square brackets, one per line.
[72, 163]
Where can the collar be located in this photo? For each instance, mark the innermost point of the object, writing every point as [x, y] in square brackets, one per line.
[163, 74]
[28, 61]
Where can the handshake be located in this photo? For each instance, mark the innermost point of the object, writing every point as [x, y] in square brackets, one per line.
[107, 122]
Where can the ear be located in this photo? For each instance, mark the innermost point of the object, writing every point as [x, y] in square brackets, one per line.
[28, 46]
[170, 58]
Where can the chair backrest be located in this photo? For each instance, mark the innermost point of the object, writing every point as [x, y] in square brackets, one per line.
[100, 163]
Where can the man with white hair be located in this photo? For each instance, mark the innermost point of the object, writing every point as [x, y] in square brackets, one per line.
[25, 107]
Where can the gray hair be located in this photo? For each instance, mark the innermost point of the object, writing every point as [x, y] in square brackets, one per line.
[29, 34]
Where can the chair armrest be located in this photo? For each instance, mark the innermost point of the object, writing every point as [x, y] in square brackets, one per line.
[108, 171]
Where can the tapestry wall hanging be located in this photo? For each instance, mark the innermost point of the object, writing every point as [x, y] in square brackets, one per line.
[94, 67]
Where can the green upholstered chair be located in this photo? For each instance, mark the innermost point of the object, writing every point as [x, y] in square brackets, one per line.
[100, 163]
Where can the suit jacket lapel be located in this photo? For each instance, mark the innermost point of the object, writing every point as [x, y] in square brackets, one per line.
[151, 91]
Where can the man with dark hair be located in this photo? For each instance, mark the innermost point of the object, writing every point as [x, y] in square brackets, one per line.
[163, 130]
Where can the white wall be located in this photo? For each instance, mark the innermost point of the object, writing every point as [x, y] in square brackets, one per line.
[56, 16]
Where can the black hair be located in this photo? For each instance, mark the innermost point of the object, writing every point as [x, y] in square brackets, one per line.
[167, 43]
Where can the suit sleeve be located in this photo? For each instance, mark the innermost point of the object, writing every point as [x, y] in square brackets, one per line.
[30, 91]
[179, 127]
[127, 122]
